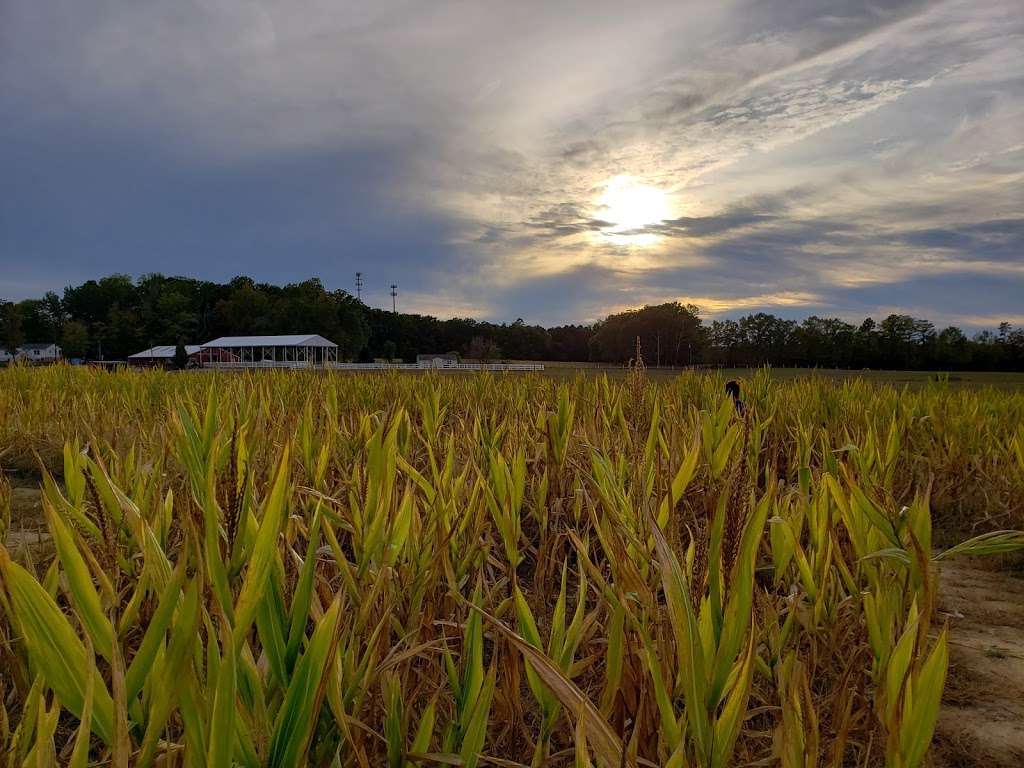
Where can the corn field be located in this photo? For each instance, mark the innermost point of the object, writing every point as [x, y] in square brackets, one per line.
[290, 569]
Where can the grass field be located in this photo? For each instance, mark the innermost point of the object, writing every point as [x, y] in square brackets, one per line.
[403, 569]
[996, 379]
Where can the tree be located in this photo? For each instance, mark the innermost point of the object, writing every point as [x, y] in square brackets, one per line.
[951, 349]
[767, 339]
[116, 316]
[519, 340]
[570, 343]
[52, 309]
[180, 357]
[246, 310]
[11, 335]
[122, 334]
[865, 344]
[74, 339]
[896, 341]
[91, 302]
[724, 338]
[825, 341]
[672, 329]
[353, 329]
[484, 349]
[36, 325]
[168, 307]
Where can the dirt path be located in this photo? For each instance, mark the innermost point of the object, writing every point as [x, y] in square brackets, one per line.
[982, 719]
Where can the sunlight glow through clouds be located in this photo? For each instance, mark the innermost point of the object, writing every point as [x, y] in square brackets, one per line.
[628, 205]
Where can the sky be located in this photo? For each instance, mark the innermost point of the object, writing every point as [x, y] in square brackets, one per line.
[554, 161]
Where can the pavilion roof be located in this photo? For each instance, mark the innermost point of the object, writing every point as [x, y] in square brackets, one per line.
[297, 340]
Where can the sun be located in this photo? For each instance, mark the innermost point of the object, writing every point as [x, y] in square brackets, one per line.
[628, 205]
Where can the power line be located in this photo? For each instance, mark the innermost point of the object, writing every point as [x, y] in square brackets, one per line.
[394, 298]
[359, 285]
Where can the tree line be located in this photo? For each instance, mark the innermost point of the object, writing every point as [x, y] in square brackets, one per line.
[115, 316]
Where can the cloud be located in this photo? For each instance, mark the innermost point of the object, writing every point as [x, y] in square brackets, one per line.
[812, 152]
[998, 239]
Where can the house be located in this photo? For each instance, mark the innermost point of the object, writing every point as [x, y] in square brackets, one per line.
[449, 360]
[163, 356]
[45, 352]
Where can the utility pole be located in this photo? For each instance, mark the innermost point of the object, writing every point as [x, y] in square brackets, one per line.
[359, 286]
[394, 297]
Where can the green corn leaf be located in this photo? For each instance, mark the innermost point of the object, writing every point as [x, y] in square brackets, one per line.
[175, 673]
[299, 613]
[421, 741]
[270, 622]
[739, 610]
[473, 663]
[528, 629]
[689, 648]
[222, 723]
[607, 746]
[152, 641]
[918, 725]
[79, 579]
[897, 669]
[73, 510]
[680, 482]
[614, 656]
[80, 752]
[54, 648]
[475, 733]
[264, 552]
[724, 450]
[298, 716]
[994, 543]
[727, 726]
[394, 734]
[670, 727]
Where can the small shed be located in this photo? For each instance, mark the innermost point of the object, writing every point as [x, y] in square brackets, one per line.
[447, 360]
[293, 351]
[162, 356]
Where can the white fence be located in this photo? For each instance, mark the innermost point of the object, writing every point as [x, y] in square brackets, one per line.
[332, 366]
[448, 367]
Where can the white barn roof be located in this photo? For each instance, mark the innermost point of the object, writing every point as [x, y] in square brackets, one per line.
[163, 351]
[301, 340]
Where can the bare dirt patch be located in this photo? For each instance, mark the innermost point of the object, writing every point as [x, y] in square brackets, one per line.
[982, 718]
[27, 539]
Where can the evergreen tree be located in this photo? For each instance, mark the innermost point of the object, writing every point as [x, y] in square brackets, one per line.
[180, 357]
